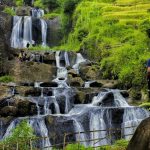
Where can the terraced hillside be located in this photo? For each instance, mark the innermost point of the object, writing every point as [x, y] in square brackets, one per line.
[116, 33]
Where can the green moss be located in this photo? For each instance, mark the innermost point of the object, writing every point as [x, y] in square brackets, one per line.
[6, 79]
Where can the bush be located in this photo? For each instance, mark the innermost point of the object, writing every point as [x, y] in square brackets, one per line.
[6, 79]
[9, 11]
[19, 2]
[21, 135]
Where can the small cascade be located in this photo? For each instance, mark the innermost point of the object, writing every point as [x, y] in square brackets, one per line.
[67, 59]
[39, 126]
[82, 137]
[97, 123]
[79, 60]
[119, 100]
[57, 109]
[44, 31]
[46, 106]
[131, 119]
[37, 13]
[27, 31]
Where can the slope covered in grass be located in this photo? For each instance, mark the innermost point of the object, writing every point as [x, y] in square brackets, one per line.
[114, 32]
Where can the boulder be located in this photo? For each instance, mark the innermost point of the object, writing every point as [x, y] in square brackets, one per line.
[89, 72]
[8, 111]
[80, 97]
[28, 91]
[73, 73]
[32, 72]
[75, 82]
[140, 139]
[49, 58]
[26, 108]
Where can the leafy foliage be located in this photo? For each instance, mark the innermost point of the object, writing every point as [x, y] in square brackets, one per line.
[21, 135]
[10, 11]
[113, 32]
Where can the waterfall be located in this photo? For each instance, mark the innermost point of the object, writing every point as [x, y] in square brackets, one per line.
[27, 32]
[21, 32]
[59, 107]
[44, 31]
[16, 36]
[96, 124]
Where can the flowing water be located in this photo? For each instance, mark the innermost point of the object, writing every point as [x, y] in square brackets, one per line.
[107, 110]
[22, 31]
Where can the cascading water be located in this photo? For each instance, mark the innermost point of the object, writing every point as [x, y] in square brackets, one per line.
[21, 32]
[108, 110]
[44, 31]
[22, 29]
[79, 60]
[37, 13]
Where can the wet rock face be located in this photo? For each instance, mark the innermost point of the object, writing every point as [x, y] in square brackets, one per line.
[14, 106]
[57, 127]
[140, 140]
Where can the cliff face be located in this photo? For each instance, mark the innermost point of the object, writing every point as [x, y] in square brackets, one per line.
[5, 32]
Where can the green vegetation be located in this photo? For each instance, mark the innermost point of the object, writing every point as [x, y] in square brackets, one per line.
[145, 105]
[19, 2]
[6, 79]
[113, 32]
[21, 135]
[9, 11]
[118, 145]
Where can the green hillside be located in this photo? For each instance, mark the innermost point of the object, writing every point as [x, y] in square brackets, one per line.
[116, 34]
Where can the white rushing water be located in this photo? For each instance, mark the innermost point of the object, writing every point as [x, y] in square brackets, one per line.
[44, 31]
[107, 110]
[21, 32]
[37, 13]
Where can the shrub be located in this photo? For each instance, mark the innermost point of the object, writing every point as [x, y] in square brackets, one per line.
[9, 11]
[6, 79]
[19, 2]
[21, 135]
